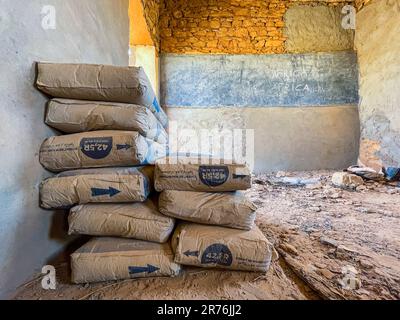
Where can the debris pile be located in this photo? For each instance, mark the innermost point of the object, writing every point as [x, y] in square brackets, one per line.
[356, 177]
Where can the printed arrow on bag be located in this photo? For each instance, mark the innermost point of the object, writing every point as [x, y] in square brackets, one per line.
[148, 269]
[123, 146]
[96, 192]
[239, 176]
[191, 253]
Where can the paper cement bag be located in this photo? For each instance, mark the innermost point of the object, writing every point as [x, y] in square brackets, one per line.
[217, 247]
[141, 221]
[96, 186]
[99, 83]
[111, 259]
[75, 116]
[98, 149]
[178, 174]
[228, 209]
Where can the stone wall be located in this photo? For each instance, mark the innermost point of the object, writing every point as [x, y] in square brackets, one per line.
[151, 10]
[378, 46]
[229, 26]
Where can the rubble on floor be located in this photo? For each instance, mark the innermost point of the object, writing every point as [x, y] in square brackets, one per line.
[343, 242]
[347, 180]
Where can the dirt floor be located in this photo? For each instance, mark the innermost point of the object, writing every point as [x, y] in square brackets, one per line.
[333, 244]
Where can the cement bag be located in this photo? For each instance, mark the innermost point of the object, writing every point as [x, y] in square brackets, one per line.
[217, 247]
[228, 209]
[110, 259]
[98, 149]
[99, 83]
[177, 174]
[96, 186]
[75, 116]
[141, 221]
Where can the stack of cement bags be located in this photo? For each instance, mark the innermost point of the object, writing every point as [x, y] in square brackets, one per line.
[219, 231]
[113, 120]
[114, 132]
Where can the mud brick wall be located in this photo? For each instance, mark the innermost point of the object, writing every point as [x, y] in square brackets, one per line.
[228, 26]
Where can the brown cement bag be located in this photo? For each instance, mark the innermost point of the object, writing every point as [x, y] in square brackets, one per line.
[96, 186]
[99, 83]
[111, 259]
[217, 247]
[228, 209]
[177, 174]
[98, 149]
[75, 116]
[141, 221]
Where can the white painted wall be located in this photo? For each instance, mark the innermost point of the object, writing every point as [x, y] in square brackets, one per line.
[147, 58]
[89, 31]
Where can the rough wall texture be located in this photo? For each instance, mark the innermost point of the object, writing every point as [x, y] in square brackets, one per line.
[361, 3]
[98, 34]
[316, 29]
[152, 14]
[230, 26]
[378, 47]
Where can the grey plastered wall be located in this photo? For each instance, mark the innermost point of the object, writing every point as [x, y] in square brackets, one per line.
[284, 138]
[302, 107]
[314, 79]
[378, 48]
[89, 31]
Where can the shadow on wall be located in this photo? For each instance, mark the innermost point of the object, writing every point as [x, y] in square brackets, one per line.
[55, 221]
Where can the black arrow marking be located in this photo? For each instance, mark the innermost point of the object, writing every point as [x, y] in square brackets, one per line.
[123, 146]
[191, 253]
[96, 192]
[148, 269]
[239, 176]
